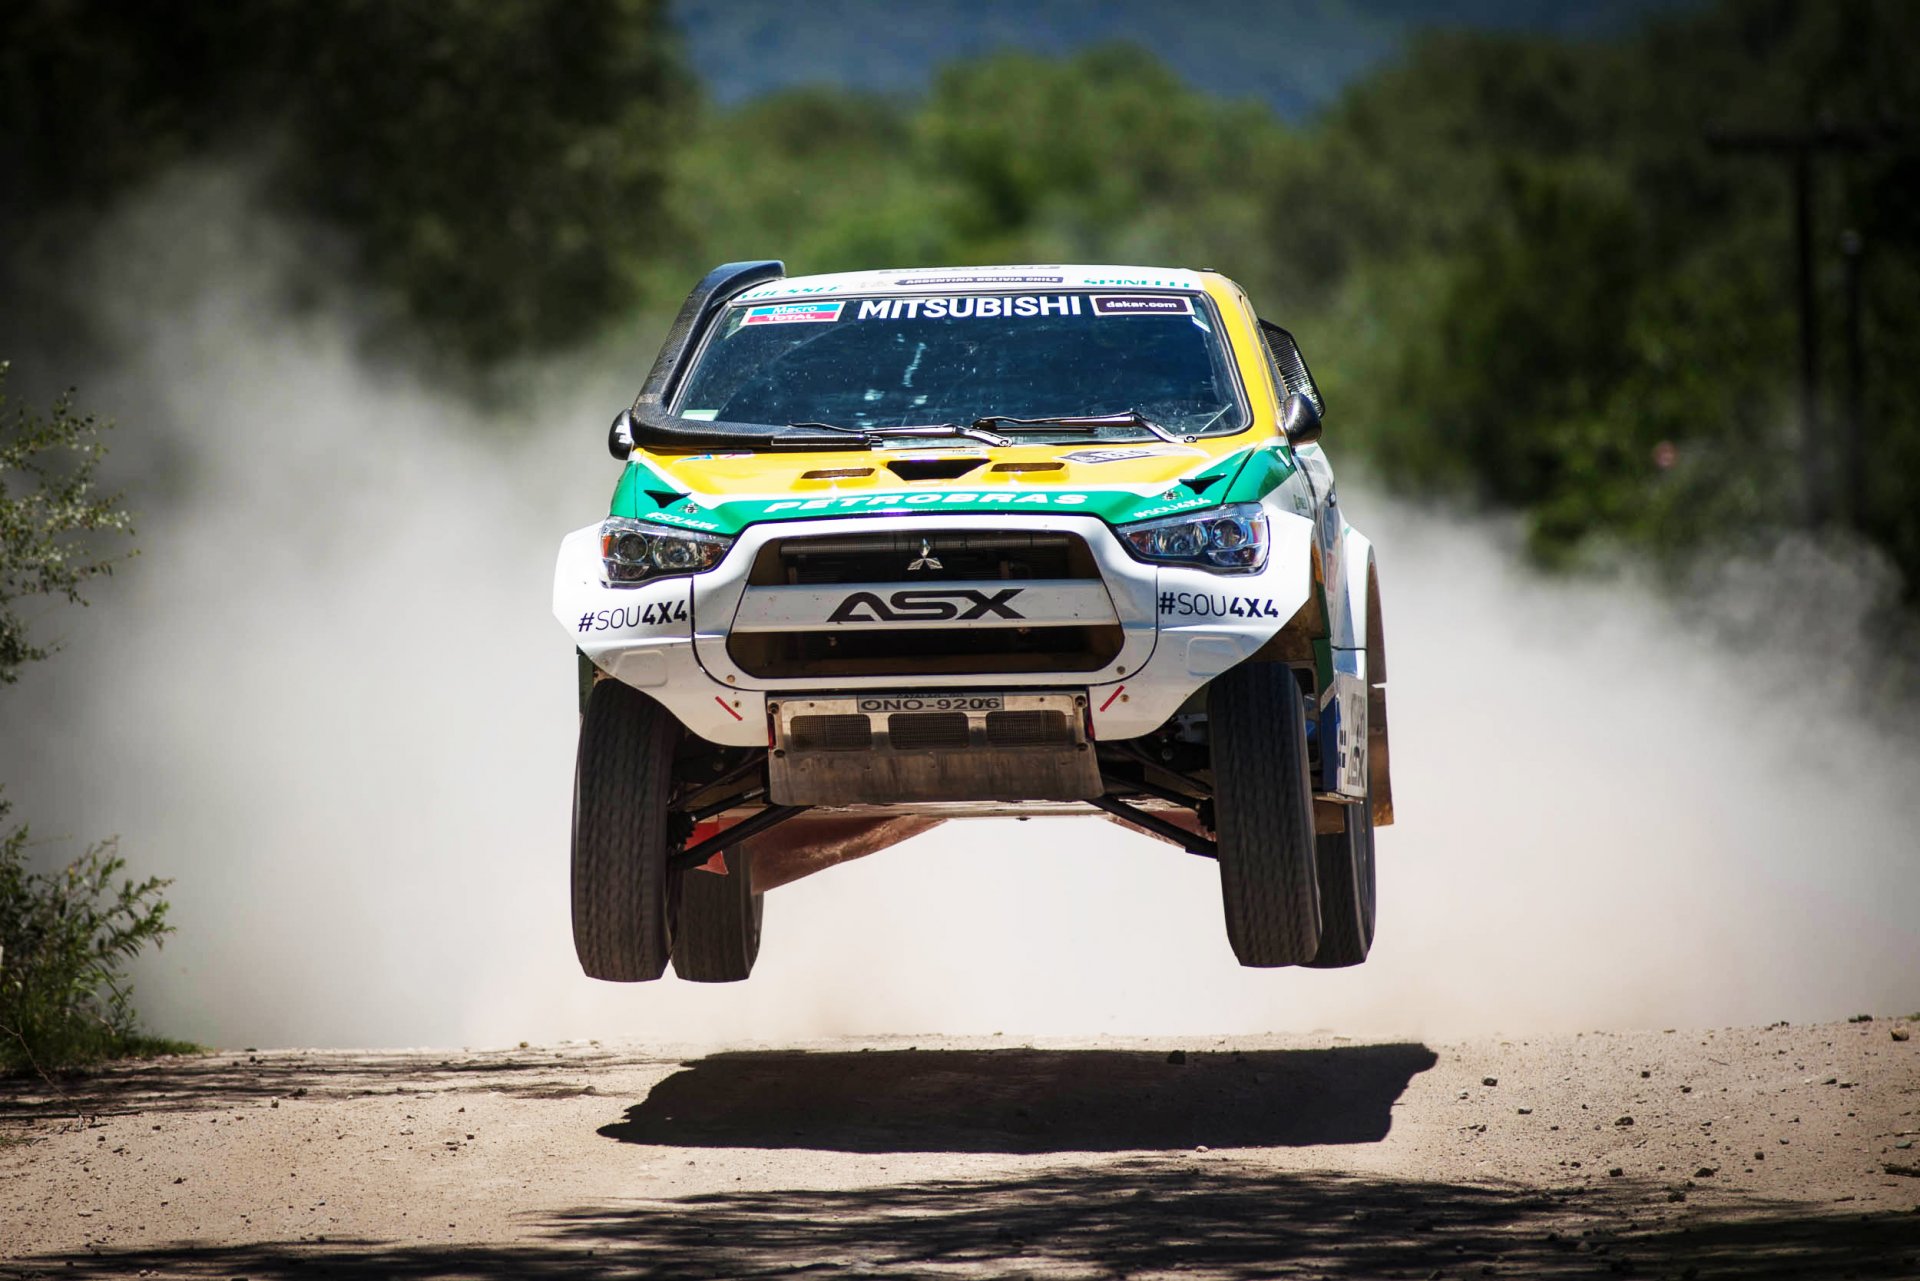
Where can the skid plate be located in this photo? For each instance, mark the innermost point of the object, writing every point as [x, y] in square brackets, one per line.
[880, 748]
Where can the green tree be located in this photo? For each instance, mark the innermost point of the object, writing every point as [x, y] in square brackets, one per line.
[495, 166]
[1536, 284]
[55, 525]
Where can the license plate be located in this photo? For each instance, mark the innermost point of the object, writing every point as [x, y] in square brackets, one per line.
[933, 703]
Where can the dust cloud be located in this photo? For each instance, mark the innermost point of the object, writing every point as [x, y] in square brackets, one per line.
[329, 700]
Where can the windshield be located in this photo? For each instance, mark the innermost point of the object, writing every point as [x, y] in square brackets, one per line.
[900, 361]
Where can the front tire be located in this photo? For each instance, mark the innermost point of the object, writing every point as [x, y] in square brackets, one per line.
[717, 935]
[622, 890]
[1263, 804]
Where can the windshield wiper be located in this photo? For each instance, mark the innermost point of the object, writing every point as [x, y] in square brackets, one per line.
[1126, 418]
[974, 431]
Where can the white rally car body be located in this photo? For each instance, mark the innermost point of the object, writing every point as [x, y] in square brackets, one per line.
[871, 622]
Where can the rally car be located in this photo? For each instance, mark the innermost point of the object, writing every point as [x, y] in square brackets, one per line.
[890, 548]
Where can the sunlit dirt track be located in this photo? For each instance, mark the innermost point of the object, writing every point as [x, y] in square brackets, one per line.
[1786, 1151]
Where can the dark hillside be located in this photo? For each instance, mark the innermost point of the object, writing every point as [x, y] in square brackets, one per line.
[1296, 56]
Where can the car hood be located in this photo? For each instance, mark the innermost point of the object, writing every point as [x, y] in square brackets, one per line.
[1116, 481]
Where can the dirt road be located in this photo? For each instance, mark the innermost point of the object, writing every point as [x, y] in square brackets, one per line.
[1786, 1151]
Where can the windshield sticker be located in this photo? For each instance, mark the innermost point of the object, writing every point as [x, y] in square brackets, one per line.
[1124, 455]
[700, 415]
[981, 280]
[982, 307]
[788, 313]
[1141, 305]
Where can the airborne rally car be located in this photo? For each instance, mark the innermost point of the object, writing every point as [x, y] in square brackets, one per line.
[897, 547]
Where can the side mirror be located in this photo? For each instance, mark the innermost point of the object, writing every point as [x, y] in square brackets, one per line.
[1300, 420]
[620, 435]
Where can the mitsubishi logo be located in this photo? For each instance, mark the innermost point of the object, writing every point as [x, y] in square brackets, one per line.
[925, 560]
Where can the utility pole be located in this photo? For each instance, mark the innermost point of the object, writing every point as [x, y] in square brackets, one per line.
[1799, 149]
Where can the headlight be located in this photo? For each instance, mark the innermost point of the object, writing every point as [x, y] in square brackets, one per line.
[633, 551]
[1231, 539]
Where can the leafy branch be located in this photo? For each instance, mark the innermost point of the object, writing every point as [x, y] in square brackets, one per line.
[52, 517]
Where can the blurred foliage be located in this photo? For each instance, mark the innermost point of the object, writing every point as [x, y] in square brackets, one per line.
[1602, 331]
[1521, 274]
[495, 165]
[52, 516]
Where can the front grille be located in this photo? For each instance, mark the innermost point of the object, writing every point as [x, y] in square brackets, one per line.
[931, 557]
[1028, 729]
[927, 731]
[900, 557]
[842, 733]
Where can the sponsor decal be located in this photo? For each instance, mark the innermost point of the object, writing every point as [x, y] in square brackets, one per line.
[788, 313]
[935, 703]
[1122, 455]
[927, 497]
[1353, 743]
[1216, 605]
[787, 291]
[976, 306]
[665, 517]
[926, 605]
[1142, 305]
[981, 280]
[618, 620]
[1170, 504]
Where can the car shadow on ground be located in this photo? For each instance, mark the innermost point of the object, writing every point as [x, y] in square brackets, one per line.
[1213, 1216]
[1026, 1100]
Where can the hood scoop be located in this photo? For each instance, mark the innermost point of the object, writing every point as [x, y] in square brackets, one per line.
[933, 468]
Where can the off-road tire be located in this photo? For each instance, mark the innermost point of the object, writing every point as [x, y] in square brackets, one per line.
[623, 894]
[1346, 891]
[717, 933]
[1263, 806]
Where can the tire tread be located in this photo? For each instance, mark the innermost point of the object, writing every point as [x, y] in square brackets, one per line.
[1264, 800]
[620, 882]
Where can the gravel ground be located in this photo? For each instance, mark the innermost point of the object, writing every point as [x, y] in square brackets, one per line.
[1746, 1152]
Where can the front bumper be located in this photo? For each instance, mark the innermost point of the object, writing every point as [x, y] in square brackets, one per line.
[1179, 627]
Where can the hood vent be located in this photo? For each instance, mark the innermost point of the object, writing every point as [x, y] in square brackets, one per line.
[1201, 484]
[933, 468]
[663, 497]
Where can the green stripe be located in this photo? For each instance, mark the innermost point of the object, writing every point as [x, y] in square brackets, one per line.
[1246, 476]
